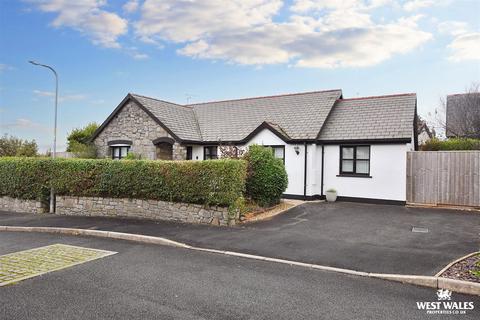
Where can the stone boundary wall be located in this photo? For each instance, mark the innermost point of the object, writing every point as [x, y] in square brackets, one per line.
[20, 205]
[138, 208]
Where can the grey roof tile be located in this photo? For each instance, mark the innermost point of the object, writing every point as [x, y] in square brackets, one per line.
[180, 119]
[371, 118]
[300, 116]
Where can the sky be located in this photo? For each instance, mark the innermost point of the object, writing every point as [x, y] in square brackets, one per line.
[193, 51]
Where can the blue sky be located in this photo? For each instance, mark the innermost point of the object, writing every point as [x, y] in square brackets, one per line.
[218, 49]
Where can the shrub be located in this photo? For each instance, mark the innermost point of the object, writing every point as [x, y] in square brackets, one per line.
[451, 144]
[218, 182]
[25, 178]
[266, 176]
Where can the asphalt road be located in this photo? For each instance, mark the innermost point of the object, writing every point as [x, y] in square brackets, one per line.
[157, 282]
[363, 237]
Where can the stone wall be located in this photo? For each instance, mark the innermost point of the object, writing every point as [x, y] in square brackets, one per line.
[132, 123]
[138, 208]
[20, 205]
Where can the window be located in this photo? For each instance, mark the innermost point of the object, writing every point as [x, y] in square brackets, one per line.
[189, 153]
[278, 152]
[119, 152]
[210, 153]
[355, 160]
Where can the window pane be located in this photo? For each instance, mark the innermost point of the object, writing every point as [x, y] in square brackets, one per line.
[116, 152]
[278, 152]
[363, 152]
[124, 151]
[347, 153]
[363, 166]
[347, 166]
[213, 152]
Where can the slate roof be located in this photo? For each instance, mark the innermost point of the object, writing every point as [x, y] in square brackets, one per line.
[299, 116]
[179, 119]
[319, 115]
[371, 118]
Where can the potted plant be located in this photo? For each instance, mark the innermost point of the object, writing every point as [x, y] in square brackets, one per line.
[331, 195]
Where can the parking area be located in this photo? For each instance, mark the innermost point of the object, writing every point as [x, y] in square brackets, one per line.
[363, 237]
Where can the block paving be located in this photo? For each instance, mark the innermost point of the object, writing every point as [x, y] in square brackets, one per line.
[26, 264]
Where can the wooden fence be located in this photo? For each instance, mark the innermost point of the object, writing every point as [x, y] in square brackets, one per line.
[444, 177]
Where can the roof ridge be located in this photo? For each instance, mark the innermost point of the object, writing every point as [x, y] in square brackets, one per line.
[176, 104]
[384, 96]
[263, 97]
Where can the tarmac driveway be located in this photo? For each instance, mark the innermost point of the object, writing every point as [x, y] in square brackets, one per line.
[363, 237]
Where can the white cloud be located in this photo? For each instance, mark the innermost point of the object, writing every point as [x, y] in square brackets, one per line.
[322, 34]
[23, 123]
[61, 98]
[414, 5]
[465, 47]
[5, 67]
[86, 16]
[186, 20]
[130, 6]
[453, 28]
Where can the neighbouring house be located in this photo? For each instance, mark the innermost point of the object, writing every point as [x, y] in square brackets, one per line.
[423, 131]
[357, 146]
[463, 115]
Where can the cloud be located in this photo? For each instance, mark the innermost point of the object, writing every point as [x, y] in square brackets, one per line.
[62, 98]
[130, 6]
[453, 28]
[323, 34]
[465, 47]
[185, 20]
[414, 5]
[24, 123]
[5, 67]
[86, 16]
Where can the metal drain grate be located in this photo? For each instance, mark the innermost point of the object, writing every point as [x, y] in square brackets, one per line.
[419, 230]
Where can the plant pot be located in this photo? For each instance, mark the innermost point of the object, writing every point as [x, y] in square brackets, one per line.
[331, 196]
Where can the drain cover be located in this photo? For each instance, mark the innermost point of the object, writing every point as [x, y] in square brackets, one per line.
[419, 229]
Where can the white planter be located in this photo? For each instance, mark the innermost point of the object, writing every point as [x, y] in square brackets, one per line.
[331, 196]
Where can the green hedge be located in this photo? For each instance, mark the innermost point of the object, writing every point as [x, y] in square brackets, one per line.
[25, 178]
[266, 176]
[218, 182]
[451, 144]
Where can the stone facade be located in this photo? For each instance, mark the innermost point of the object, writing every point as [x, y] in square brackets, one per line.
[134, 124]
[20, 205]
[138, 208]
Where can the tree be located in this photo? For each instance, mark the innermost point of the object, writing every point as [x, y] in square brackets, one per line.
[16, 147]
[78, 141]
[459, 114]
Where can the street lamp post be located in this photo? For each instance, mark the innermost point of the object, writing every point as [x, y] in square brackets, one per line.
[52, 194]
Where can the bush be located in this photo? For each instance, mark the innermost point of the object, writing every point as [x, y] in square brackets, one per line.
[451, 144]
[218, 182]
[266, 176]
[16, 147]
[25, 178]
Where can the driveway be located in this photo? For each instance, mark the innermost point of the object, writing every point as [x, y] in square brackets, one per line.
[363, 237]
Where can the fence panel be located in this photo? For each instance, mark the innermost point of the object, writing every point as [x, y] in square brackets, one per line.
[444, 177]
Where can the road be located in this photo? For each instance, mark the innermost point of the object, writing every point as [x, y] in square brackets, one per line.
[158, 282]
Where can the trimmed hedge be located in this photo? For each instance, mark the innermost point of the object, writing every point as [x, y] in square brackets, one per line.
[451, 144]
[25, 178]
[218, 182]
[266, 176]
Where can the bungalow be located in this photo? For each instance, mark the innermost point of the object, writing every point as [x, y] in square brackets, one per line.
[357, 146]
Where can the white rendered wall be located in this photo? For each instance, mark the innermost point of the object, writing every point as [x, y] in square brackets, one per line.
[294, 163]
[388, 165]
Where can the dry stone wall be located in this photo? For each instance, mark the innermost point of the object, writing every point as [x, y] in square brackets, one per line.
[19, 205]
[139, 208]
